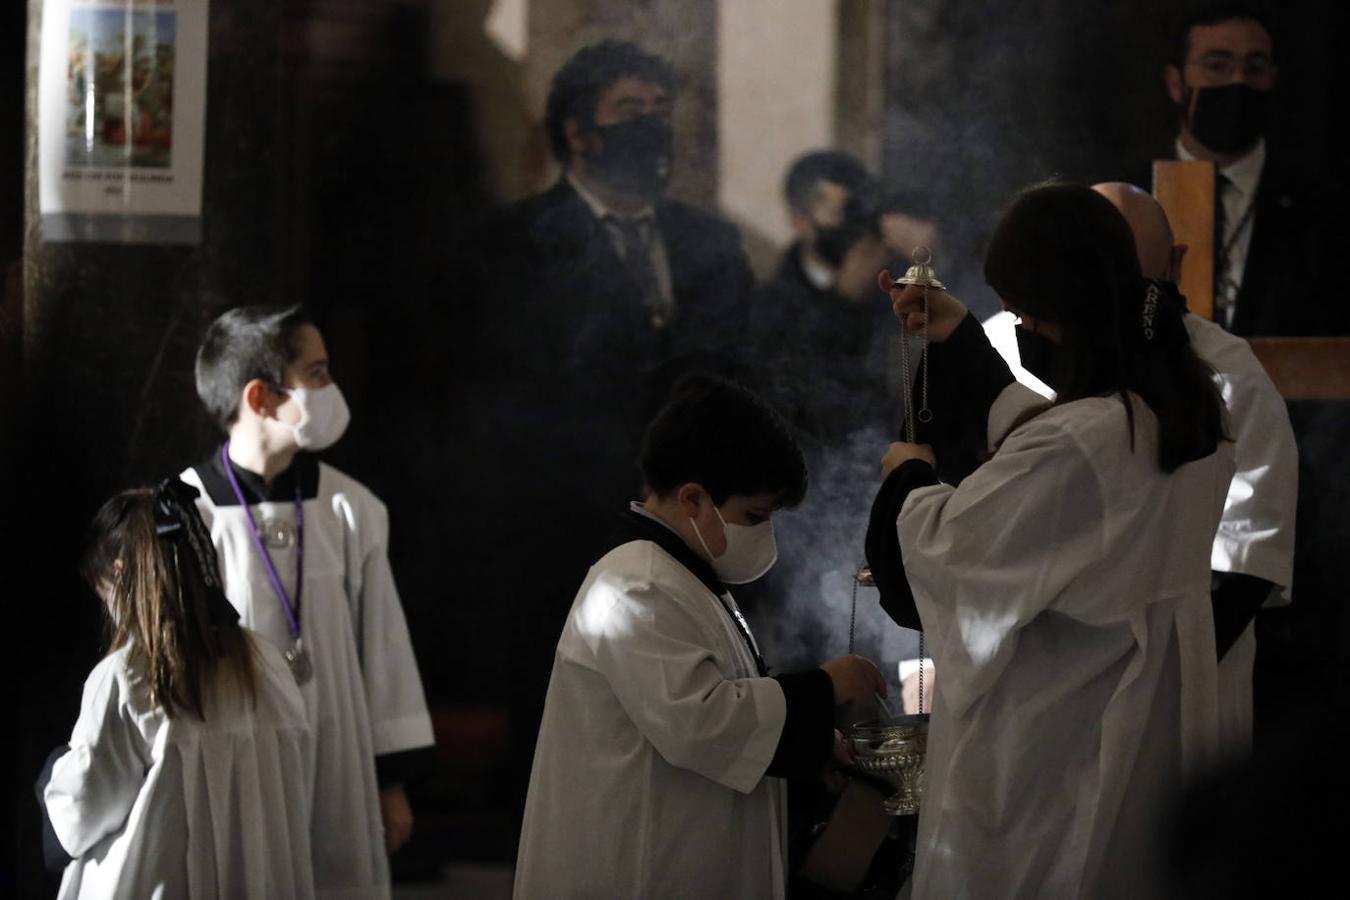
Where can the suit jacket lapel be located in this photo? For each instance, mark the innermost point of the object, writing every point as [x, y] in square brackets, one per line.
[1276, 218]
[578, 243]
[681, 252]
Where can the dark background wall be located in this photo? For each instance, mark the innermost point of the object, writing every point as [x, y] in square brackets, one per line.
[13, 41]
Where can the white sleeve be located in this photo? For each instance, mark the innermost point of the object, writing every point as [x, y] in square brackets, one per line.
[661, 666]
[94, 785]
[398, 708]
[986, 558]
[1256, 532]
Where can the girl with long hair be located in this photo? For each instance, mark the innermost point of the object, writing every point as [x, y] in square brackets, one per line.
[185, 774]
[1061, 574]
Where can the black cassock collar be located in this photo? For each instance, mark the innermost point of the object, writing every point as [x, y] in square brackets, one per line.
[305, 468]
[634, 526]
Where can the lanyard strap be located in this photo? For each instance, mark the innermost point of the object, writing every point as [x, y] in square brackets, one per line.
[1231, 241]
[292, 610]
[744, 628]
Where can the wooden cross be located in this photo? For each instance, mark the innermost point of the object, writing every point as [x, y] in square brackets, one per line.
[1185, 191]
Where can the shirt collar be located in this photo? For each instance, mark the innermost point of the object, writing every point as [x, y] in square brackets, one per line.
[637, 507]
[1243, 174]
[817, 273]
[639, 524]
[598, 208]
[304, 468]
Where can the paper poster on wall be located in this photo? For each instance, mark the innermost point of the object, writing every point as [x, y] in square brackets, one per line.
[121, 120]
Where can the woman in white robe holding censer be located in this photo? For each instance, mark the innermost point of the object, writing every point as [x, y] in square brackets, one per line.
[1062, 576]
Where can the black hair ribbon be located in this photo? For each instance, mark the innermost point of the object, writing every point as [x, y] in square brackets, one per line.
[177, 521]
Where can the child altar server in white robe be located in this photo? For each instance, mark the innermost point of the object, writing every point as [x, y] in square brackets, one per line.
[187, 772]
[660, 765]
[1063, 584]
[303, 550]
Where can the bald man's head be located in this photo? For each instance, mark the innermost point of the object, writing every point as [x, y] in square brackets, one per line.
[1152, 233]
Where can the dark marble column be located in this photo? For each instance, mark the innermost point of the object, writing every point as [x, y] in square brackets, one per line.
[109, 335]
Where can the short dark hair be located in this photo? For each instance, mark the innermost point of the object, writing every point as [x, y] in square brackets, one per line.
[245, 343]
[723, 436]
[809, 170]
[577, 86]
[1213, 14]
[1063, 253]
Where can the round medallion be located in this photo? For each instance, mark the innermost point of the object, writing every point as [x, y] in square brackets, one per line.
[277, 533]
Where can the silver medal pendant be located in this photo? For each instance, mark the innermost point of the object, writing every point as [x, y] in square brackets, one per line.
[297, 657]
[277, 534]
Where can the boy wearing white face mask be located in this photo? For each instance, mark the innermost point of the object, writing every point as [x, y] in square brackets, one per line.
[303, 555]
[665, 744]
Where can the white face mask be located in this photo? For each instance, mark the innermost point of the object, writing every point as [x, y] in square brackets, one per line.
[751, 550]
[323, 416]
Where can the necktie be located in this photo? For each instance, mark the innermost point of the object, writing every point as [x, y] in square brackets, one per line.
[1224, 289]
[637, 258]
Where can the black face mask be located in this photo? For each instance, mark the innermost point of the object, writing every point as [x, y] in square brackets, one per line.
[635, 155]
[1226, 119]
[833, 243]
[861, 218]
[1037, 353]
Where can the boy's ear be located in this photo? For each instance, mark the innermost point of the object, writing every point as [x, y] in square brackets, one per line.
[257, 398]
[1178, 256]
[689, 496]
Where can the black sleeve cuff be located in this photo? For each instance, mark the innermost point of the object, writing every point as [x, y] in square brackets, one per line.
[808, 732]
[982, 369]
[966, 375]
[404, 766]
[54, 856]
[882, 547]
[1236, 599]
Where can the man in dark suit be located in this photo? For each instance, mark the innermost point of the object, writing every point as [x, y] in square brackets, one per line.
[593, 297]
[600, 290]
[1275, 232]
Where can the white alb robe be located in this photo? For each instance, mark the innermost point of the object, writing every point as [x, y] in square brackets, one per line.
[159, 807]
[1064, 591]
[366, 695]
[1256, 533]
[649, 773]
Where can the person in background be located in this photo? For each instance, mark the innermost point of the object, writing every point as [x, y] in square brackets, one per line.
[823, 349]
[1277, 234]
[1253, 553]
[827, 357]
